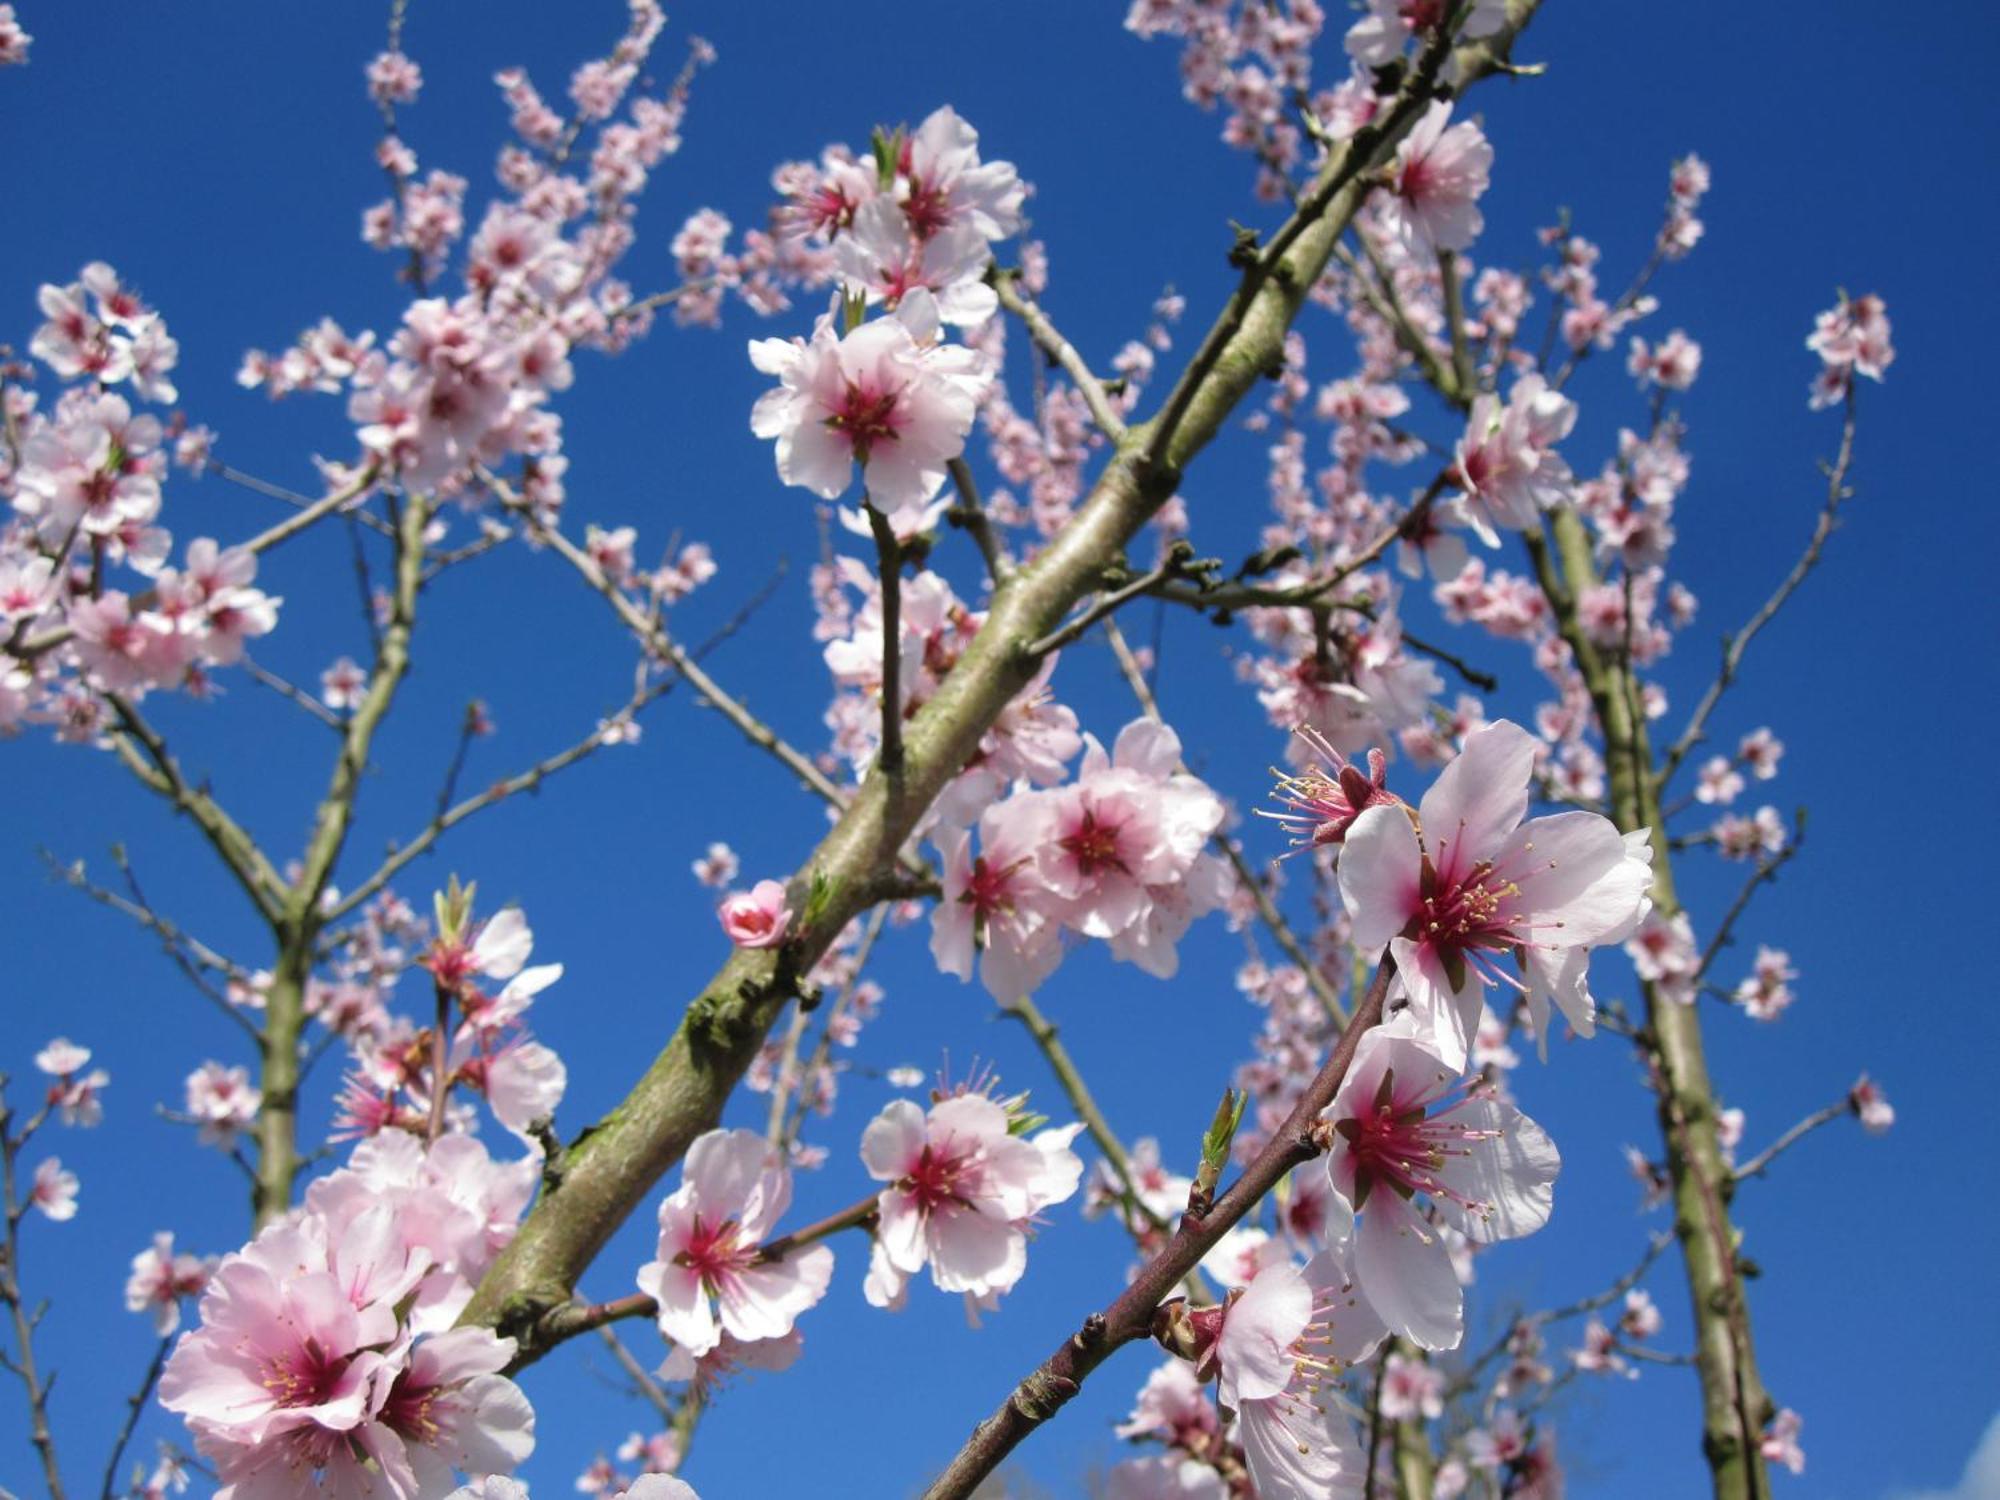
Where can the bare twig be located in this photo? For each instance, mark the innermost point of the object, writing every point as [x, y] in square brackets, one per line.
[134, 1405]
[1733, 647]
[1766, 870]
[1060, 351]
[1761, 1162]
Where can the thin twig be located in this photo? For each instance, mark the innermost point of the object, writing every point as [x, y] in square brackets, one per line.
[1061, 352]
[1767, 870]
[293, 691]
[970, 515]
[1760, 1163]
[134, 1404]
[1733, 647]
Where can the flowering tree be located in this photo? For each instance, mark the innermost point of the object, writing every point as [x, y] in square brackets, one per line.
[1437, 888]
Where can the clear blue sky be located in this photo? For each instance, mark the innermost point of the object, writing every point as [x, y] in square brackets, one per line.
[219, 156]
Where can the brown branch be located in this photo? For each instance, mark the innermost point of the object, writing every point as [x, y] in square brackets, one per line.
[134, 1405]
[889, 568]
[1761, 1162]
[22, 1362]
[143, 752]
[970, 514]
[1129, 1317]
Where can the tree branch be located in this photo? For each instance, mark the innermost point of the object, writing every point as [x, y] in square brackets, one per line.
[1129, 1317]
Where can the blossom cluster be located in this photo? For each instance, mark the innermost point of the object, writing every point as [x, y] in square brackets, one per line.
[325, 1354]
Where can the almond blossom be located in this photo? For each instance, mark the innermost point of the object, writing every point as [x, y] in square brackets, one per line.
[758, 917]
[303, 1374]
[1506, 461]
[884, 395]
[1464, 884]
[1439, 175]
[1403, 1128]
[1271, 1349]
[161, 1278]
[942, 183]
[52, 1190]
[710, 1275]
[962, 1189]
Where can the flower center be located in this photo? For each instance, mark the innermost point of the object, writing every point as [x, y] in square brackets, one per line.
[866, 415]
[714, 1252]
[1093, 844]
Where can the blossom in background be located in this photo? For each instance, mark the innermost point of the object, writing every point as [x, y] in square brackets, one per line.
[717, 866]
[1780, 1443]
[222, 1102]
[1852, 338]
[53, 1190]
[161, 1278]
[1871, 1105]
[13, 40]
[1466, 884]
[1506, 461]
[709, 1275]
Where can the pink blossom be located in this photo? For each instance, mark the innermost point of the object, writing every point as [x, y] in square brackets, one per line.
[1872, 1105]
[222, 1101]
[962, 1188]
[942, 182]
[160, 1279]
[1271, 1348]
[1164, 1476]
[718, 866]
[883, 396]
[1780, 1442]
[1439, 175]
[1466, 884]
[1412, 1389]
[709, 1276]
[1506, 461]
[53, 1190]
[1379, 37]
[1324, 806]
[1405, 1128]
[341, 685]
[13, 40]
[394, 79]
[757, 918]
[1850, 338]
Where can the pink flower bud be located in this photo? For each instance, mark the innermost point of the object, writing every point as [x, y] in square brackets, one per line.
[756, 918]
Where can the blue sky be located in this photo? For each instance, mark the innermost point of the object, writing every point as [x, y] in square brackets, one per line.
[219, 156]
